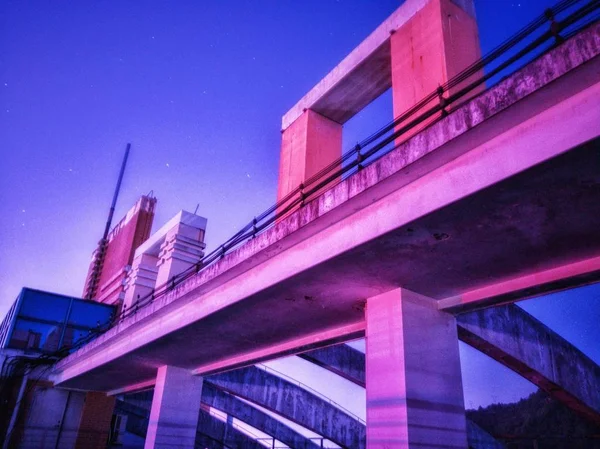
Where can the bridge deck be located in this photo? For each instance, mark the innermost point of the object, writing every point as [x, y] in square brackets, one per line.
[505, 186]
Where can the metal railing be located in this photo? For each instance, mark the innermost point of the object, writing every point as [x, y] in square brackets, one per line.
[564, 20]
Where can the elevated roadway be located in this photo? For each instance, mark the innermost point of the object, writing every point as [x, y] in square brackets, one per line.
[498, 201]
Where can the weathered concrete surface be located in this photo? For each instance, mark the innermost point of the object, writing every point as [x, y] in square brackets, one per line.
[436, 44]
[351, 366]
[519, 161]
[231, 405]
[431, 41]
[311, 143]
[294, 403]
[213, 429]
[227, 403]
[414, 383]
[137, 417]
[366, 72]
[341, 360]
[514, 338]
[174, 411]
[210, 431]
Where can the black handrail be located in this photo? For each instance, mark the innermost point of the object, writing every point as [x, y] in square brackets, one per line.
[390, 133]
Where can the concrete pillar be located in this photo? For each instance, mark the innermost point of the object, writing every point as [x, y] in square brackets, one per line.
[183, 247]
[309, 144]
[414, 385]
[141, 279]
[437, 43]
[175, 409]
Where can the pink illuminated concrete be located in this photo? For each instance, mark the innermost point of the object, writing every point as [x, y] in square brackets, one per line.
[141, 279]
[437, 43]
[414, 384]
[365, 73]
[511, 172]
[175, 409]
[172, 249]
[308, 145]
[431, 41]
[183, 247]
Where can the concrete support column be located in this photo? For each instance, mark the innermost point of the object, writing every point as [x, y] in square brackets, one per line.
[141, 279]
[437, 43]
[182, 248]
[414, 385]
[309, 144]
[175, 409]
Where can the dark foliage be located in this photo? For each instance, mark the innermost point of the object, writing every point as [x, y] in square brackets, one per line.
[537, 422]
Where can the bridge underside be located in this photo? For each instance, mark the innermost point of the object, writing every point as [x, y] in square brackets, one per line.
[547, 216]
[518, 194]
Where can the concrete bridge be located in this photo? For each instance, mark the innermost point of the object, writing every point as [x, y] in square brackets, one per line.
[495, 202]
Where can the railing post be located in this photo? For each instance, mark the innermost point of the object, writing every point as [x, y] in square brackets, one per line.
[359, 157]
[443, 101]
[301, 194]
[555, 26]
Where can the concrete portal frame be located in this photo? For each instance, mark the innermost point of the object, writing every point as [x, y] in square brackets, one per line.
[419, 47]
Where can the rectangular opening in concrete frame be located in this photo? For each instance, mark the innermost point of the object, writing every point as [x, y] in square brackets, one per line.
[369, 120]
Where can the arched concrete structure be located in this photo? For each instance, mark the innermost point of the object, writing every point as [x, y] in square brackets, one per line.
[516, 339]
[350, 364]
[491, 157]
[216, 431]
[211, 431]
[341, 360]
[293, 403]
[214, 397]
[233, 406]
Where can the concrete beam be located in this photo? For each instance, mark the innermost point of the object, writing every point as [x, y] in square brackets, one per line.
[340, 359]
[210, 432]
[211, 428]
[228, 403]
[516, 339]
[366, 72]
[294, 403]
[537, 131]
[351, 366]
[541, 282]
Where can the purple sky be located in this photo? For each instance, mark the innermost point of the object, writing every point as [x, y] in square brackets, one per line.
[199, 89]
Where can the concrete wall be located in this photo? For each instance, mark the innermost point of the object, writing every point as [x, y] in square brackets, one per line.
[228, 403]
[293, 403]
[50, 418]
[516, 339]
